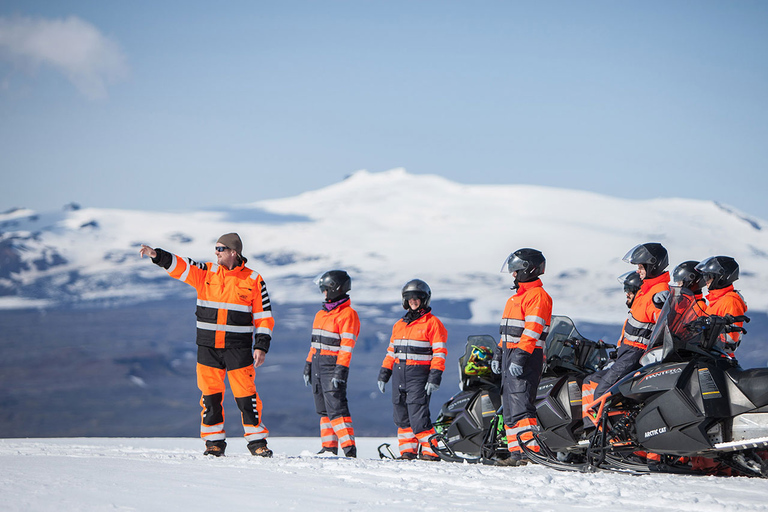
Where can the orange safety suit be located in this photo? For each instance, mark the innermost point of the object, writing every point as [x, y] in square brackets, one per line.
[233, 313]
[727, 301]
[635, 338]
[415, 355]
[524, 328]
[334, 333]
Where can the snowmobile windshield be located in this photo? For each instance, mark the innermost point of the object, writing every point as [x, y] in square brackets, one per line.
[565, 345]
[680, 309]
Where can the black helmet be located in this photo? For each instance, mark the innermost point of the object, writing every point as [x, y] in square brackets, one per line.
[653, 256]
[528, 263]
[723, 270]
[688, 277]
[416, 289]
[336, 282]
[631, 281]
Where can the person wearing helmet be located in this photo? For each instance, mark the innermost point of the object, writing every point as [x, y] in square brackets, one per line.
[719, 273]
[416, 358]
[686, 276]
[520, 355]
[651, 260]
[632, 282]
[334, 333]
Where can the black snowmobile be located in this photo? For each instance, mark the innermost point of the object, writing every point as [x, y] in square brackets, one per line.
[690, 409]
[470, 425]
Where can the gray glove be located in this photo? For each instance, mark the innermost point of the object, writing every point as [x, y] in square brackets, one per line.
[496, 367]
[515, 369]
[431, 388]
[306, 379]
[337, 382]
[381, 384]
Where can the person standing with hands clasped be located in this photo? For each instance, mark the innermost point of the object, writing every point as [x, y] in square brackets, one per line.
[232, 307]
[520, 358]
[334, 333]
[416, 358]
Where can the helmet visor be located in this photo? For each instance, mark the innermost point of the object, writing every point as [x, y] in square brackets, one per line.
[639, 254]
[513, 263]
[711, 265]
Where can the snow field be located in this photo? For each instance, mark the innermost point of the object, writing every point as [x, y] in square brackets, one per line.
[90, 474]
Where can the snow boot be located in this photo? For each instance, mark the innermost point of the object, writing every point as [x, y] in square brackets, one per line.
[428, 456]
[407, 456]
[259, 448]
[351, 452]
[215, 448]
[514, 459]
[326, 449]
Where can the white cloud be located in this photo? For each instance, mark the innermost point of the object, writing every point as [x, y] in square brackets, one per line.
[72, 46]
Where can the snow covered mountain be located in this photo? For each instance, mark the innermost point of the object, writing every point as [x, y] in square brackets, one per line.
[384, 228]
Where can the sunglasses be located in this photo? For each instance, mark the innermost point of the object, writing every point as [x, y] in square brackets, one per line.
[221, 248]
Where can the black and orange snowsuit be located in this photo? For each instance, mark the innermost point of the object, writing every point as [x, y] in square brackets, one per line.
[334, 333]
[635, 338]
[233, 314]
[524, 328]
[415, 355]
[727, 301]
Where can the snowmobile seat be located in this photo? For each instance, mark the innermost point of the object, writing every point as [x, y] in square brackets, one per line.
[753, 383]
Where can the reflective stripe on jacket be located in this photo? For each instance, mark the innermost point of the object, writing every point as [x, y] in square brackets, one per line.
[643, 314]
[232, 305]
[334, 334]
[422, 342]
[526, 318]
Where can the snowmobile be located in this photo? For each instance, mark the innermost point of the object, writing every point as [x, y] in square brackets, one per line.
[470, 426]
[690, 402]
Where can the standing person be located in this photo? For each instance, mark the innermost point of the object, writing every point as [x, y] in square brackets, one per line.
[520, 358]
[232, 307]
[416, 357]
[651, 260]
[720, 272]
[334, 333]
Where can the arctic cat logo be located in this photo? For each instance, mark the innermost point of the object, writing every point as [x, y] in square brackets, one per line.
[655, 432]
[662, 373]
[545, 387]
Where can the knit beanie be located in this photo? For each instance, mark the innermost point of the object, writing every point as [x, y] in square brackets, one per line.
[232, 241]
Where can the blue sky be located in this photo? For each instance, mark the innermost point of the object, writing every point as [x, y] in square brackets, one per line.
[181, 105]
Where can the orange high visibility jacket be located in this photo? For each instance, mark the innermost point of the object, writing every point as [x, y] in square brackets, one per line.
[334, 334]
[422, 342]
[526, 318]
[727, 301]
[232, 305]
[643, 314]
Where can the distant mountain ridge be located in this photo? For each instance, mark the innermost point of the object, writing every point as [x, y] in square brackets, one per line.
[384, 228]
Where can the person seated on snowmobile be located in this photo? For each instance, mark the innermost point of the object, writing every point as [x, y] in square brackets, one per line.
[720, 272]
[686, 276]
[651, 260]
[520, 355]
[416, 357]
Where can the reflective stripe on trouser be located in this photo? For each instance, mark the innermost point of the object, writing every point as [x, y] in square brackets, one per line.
[423, 438]
[327, 435]
[587, 397]
[525, 428]
[406, 441]
[210, 381]
[342, 427]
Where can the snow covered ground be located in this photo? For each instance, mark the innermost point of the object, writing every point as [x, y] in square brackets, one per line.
[145, 474]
